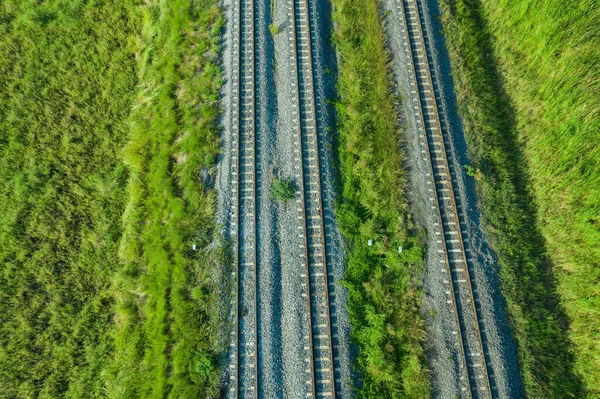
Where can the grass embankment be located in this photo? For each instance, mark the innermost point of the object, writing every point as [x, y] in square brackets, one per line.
[383, 285]
[528, 83]
[67, 81]
[101, 292]
[167, 304]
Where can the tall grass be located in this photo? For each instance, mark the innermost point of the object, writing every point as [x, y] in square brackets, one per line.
[107, 143]
[527, 79]
[384, 292]
[166, 340]
[549, 54]
[67, 82]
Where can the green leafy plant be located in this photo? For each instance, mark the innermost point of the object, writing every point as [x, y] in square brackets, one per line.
[471, 171]
[274, 28]
[283, 190]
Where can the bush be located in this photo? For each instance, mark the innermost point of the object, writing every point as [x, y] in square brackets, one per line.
[283, 190]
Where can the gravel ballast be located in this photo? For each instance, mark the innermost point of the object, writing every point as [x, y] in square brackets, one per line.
[441, 346]
[281, 308]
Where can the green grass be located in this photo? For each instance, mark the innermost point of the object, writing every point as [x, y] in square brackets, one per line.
[67, 82]
[383, 284]
[107, 128]
[167, 304]
[528, 83]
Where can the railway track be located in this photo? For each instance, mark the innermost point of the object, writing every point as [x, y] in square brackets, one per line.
[319, 347]
[320, 360]
[475, 379]
[244, 367]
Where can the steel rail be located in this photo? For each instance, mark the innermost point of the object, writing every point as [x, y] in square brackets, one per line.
[235, 83]
[435, 199]
[244, 146]
[408, 7]
[301, 51]
[310, 94]
[300, 194]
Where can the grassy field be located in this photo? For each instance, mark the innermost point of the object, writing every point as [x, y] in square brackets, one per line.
[528, 82]
[67, 83]
[384, 294]
[107, 136]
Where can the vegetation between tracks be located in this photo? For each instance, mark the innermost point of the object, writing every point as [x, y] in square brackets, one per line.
[383, 286]
[283, 190]
[102, 294]
[527, 79]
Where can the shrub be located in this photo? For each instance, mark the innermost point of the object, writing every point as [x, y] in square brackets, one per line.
[283, 190]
